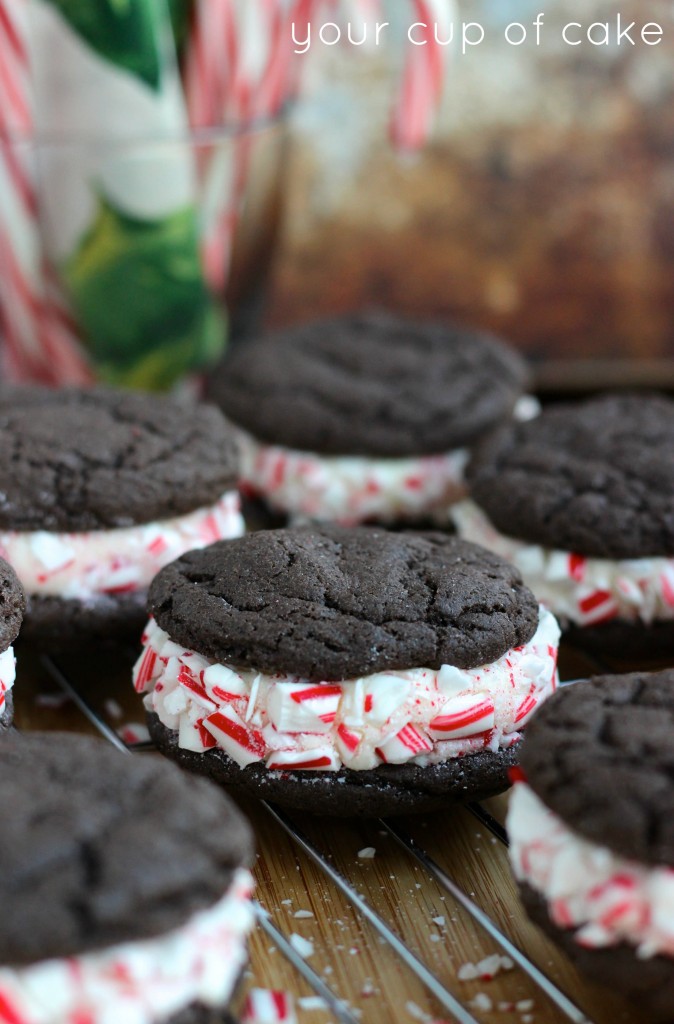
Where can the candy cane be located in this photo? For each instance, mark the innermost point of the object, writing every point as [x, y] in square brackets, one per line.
[14, 68]
[40, 340]
[264, 1006]
[239, 71]
[19, 243]
[424, 75]
[210, 61]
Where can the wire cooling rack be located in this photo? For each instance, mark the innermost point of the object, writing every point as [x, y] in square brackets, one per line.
[538, 990]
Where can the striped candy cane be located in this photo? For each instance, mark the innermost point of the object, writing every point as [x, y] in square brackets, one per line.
[240, 70]
[210, 62]
[40, 340]
[424, 75]
[19, 240]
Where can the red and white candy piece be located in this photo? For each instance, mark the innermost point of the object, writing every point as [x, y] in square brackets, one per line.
[577, 567]
[243, 744]
[195, 689]
[629, 591]
[276, 740]
[193, 736]
[348, 740]
[525, 710]
[10, 1014]
[667, 584]
[376, 697]
[133, 733]
[466, 715]
[303, 707]
[264, 1006]
[157, 546]
[223, 684]
[322, 758]
[599, 606]
[145, 670]
[408, 743]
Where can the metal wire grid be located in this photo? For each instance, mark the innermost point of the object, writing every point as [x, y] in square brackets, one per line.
[457, 1010]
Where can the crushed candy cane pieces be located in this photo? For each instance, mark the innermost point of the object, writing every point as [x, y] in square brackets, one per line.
[486, 969]
[266, 1006]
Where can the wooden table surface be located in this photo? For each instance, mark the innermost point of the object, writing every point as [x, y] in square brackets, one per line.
[347, 952]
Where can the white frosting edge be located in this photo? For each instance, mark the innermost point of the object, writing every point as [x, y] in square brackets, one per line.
[604, 898]
[584, 591]
[418, 715]
[141, 982]
[351, 489]
[86, 565]
[7, 675]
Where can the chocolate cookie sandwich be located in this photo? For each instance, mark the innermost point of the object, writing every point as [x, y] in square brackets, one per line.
[582, 501]
[12, 604]
[345, 671]
[124, 884]
[591, 826]
[365, 418]
[98, 490]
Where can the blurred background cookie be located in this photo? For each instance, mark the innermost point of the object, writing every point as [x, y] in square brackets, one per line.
[365, 418]
[591, 831]
[581, 499]
[99, 489]
[144, 877]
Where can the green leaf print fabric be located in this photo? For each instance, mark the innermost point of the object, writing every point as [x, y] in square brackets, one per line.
[125, 32]
[140, 298]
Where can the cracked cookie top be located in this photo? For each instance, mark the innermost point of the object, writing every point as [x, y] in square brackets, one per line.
[335, 603]
[78, 460]
[12, 606]
[595, 478]
[370, 384]
[600, 755]
[97, 848]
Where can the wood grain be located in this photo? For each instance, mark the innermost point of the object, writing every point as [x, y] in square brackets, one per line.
[352, 959]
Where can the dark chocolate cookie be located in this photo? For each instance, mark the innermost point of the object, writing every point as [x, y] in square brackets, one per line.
[117, 848]
[78, 460]
[370, 384]
[633, 644]
[386, 790]
[595, 478]
[60, 625]
[600, 756]
[203, 1015]
[334, 603]
[12, 605]
[648, 982]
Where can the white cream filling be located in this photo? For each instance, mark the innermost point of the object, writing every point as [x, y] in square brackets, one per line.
[605, 898]
[584, 591]
[86, 565]
[355, 489]
[418, 715]
[351, 489]
[143, 982]
[7, 675]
